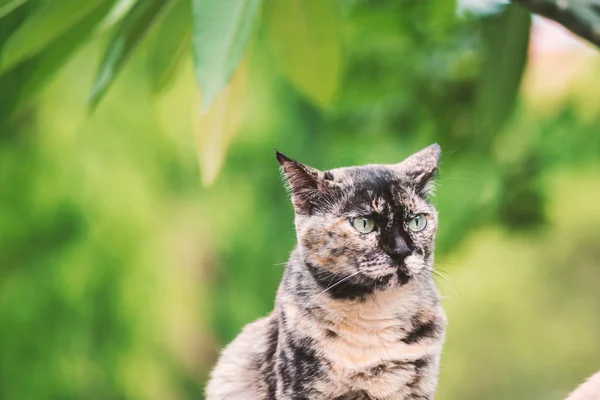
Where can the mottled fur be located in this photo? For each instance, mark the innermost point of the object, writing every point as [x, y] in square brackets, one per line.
[357, 315]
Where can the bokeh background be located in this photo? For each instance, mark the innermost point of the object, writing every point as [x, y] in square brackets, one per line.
[136, 240]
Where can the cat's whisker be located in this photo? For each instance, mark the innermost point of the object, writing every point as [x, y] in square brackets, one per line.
[321, 273]
[441, 275]
[420, 277]
[330, 287]
[437, 263]
[332, 279]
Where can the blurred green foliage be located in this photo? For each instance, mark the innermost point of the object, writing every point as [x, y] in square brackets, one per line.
[121, 276]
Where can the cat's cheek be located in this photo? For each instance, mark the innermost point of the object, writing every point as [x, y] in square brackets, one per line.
[414, 264]
[432, 222]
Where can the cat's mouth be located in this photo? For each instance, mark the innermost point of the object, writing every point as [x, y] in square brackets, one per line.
[403, 273]
[393, 273]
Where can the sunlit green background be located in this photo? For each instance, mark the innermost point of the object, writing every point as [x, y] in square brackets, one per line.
[122, 275]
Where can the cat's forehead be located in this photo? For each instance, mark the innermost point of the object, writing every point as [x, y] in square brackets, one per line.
[374, 177]
[370, 188]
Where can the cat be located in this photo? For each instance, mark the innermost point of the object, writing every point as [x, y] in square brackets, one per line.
[357, 315]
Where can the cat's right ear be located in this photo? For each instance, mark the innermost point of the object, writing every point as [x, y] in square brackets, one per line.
[421, 168]
[303, 181]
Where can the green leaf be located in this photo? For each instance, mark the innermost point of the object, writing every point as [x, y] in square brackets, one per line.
[216, 128]
[506, 40]
[46, 23]
[10, 22]
[169, 44]
[304, 37]
[7, 6]
[27, 78]
[222, 29]
[129, 34]
[116, 13]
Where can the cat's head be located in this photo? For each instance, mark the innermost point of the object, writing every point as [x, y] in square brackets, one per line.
[365, 228]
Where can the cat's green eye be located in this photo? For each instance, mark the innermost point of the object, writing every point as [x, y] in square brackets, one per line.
[363, 224]
[417, 223]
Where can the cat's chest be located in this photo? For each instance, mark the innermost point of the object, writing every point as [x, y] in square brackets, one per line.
[383, 372]
[378, 364]
[357, 340]
[384, 359]
[379, 350]
[361, 395]
[352, 350]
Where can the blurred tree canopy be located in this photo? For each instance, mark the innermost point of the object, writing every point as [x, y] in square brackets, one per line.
[37, 37]
[120, 278]
[307, 41]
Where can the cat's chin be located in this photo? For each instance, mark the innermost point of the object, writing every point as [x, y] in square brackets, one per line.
[381, 272]
[390, 276]
[411, 265]
[402, 274]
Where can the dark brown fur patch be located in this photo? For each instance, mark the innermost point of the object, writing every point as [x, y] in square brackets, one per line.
[421, 330]
[330, 334]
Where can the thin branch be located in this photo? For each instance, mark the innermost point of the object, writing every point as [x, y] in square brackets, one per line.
[581, 17]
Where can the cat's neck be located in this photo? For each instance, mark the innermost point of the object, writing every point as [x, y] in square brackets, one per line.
[356, 333]
[300, 292]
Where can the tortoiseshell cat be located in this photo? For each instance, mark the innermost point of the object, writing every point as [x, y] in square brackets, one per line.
[357, 315]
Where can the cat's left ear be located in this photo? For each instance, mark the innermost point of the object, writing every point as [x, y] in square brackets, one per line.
[306, 183]
[421, 168]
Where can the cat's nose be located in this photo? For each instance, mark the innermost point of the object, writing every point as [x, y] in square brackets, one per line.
[397, 248]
